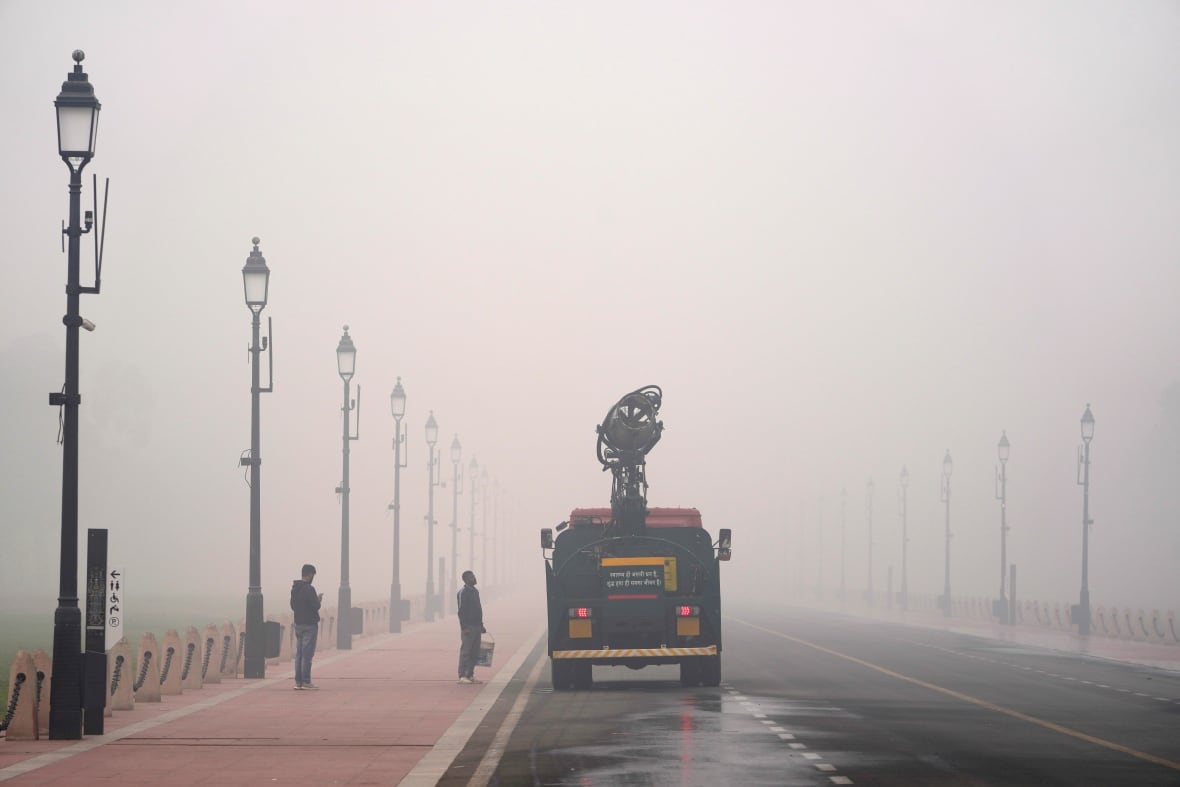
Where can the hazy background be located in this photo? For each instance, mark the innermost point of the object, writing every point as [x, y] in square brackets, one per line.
[843, 237]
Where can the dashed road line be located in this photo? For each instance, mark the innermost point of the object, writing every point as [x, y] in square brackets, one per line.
[958, 695]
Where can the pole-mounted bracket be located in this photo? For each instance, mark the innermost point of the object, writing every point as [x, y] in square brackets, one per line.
[249, 460]
[57, 399]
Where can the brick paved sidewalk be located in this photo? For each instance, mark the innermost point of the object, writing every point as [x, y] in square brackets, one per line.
[381, 708]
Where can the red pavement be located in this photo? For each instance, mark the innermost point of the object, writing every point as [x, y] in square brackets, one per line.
[382, 707]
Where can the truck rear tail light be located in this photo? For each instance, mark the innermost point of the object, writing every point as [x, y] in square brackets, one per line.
[581, 612]
[688, 612]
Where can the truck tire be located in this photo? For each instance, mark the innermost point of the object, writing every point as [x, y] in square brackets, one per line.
[711, 670]
[583, 675]
[562, 674]
[690, 672]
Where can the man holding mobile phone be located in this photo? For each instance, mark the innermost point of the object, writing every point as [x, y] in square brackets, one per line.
[305, 602]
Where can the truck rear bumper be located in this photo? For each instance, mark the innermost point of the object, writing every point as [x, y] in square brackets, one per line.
[632, 653]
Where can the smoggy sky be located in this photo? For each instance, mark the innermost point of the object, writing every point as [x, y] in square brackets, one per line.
[843, 238]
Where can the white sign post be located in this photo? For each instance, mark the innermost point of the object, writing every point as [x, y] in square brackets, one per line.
[114, 606]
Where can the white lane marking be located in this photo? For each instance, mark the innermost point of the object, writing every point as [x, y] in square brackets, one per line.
[810, 755]
[824, 766]
[842, 780]
[786, 736]
[796, 745]
[778, 729]
[762, 716]
[491, 758]
[431, 768]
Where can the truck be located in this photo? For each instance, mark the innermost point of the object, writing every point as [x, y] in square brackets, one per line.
[631, 585]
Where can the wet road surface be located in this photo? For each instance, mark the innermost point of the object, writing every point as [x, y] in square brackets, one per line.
[820, 699]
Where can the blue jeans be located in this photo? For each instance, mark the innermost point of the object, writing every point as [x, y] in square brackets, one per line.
[305, 637]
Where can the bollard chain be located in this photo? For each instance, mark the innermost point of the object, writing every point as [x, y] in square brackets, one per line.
[143, 668]
[224, 652]
[188, 659]
[40, 683]
[167, 664]
[115, 674]
[241, 647]
[208, 654]
[20, 679]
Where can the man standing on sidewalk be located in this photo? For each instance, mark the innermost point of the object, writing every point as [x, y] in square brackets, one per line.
[306, 604]
[470, 627]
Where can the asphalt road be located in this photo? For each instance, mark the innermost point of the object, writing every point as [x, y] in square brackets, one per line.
[811, 699]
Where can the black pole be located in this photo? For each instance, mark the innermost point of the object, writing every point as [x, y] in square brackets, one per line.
[1084, 619]
[395, 587]
[454, 602]
[946, 588]
[65, 715]
[430, 538]
[471, 530]
[255, 640]
[1003, 540]
[344, 602]
[905, 540]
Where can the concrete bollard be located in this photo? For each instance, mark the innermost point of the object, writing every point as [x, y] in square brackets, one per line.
[1170, 627]
[147, 678]
[173, 658]
[190, 670]
[211, 655]
[22, 698]
[44, 667]
[229, 646]
[119, 677]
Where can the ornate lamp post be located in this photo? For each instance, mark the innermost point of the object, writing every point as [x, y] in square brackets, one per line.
[869, 517]
[77, 127]
[948, 467]
[457, 481]
[256, 282]
[397, 405]
[346, 366]
[1002, 448]
[905, 539]
[431, 464]
[1083, 611]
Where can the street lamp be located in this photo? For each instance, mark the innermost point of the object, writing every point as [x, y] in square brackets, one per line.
[905, 539]
[457, 480]
[77, 126]
[869, 517]
[1082, 614]
[431, 464]
[256, 284]
[948, 467]
[346, 366]
[397, 406]
[1002, 495]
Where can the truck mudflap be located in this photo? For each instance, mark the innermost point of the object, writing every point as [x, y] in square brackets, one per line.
[627, 653]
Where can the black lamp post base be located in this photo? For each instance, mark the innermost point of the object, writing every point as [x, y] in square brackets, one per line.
[344, 620]
[255, 666]
[65, 711]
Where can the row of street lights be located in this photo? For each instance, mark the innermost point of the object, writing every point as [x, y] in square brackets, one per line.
[1002, 608]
